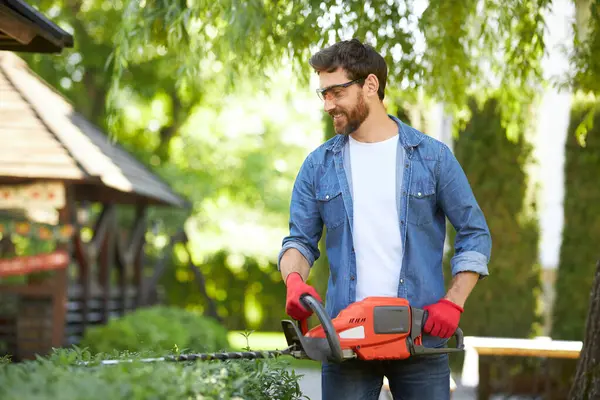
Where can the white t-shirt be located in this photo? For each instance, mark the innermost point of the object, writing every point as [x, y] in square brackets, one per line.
[376, 231]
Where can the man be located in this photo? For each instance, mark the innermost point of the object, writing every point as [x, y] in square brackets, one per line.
[383, 191]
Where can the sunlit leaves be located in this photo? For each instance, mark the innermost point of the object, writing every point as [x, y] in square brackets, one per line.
[586, 62]
[449, 50]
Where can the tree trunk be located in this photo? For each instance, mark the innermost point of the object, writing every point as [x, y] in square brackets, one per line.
[586, 384]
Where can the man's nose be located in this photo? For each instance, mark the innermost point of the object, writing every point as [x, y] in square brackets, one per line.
[328, 105]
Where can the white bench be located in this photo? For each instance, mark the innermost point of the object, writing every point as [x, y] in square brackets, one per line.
[545, 347]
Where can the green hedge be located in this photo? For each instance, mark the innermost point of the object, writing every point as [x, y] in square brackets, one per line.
[59, 377]
[154, 331]
[504, 304]
[157, 329]
[581, 231]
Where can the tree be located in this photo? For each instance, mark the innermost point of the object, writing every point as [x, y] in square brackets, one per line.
[587, 378]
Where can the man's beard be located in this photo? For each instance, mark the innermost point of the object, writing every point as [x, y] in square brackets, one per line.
[353, 119]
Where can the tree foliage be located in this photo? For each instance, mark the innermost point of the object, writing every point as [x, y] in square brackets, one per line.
[585, 60]
[248, 294]
[449, 50]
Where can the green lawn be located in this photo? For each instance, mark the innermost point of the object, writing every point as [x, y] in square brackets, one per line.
[268, 341]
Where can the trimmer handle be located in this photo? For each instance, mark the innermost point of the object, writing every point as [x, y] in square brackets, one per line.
[332, 337]
[458, 334]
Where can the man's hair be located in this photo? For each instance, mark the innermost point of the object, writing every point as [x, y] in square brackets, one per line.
[357, 59]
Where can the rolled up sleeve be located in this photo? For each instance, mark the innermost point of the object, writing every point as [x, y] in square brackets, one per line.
[305, 223]
[472, 261]
[473, 242]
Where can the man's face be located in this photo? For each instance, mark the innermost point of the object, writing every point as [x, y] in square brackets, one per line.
[346, 105]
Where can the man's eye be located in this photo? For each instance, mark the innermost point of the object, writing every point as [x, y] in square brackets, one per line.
[336, 92]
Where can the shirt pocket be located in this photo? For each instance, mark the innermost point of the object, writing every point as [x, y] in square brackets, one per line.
[421, 202]
[331, 206]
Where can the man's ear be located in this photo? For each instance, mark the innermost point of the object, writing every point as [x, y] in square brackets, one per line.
[371, 85]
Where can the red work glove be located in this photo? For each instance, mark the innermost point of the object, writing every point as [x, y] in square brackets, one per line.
[295, 288]
[443, 318]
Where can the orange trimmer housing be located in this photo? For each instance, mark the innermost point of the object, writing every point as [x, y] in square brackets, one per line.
[357, 326]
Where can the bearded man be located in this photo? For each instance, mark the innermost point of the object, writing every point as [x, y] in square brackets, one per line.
[383, 190]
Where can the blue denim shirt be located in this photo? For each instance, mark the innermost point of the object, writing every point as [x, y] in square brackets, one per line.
[431, 186]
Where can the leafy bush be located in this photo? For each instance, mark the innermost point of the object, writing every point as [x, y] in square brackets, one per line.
[579, 249]
[247, 296]
[60, 376]
[156, 330]
[495, 168]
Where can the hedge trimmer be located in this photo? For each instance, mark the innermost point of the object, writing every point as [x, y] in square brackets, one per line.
[376, 328]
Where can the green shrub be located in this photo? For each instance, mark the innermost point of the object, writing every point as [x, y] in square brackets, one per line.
[579, 248]
[505, 303]
[246, 296]
[156, 330]
[581, 232]
[59, 377]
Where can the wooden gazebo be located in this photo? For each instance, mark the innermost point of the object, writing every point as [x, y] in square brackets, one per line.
[52, 162]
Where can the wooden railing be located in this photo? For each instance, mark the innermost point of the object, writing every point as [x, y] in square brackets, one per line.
[98, 310]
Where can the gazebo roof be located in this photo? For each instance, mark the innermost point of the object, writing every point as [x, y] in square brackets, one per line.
[24, 29]
[43, 137]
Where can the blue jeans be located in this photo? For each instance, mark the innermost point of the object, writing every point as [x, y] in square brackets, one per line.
[420, 377]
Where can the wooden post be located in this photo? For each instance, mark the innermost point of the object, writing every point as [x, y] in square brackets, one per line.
[122, 268]
[108, 257]
[59, 301]
[83, 277]
[137, 254]
[87, 256]
[59, 305]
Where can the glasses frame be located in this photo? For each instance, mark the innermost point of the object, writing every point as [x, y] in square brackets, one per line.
[322, 92]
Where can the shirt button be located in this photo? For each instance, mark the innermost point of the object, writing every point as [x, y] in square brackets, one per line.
[419, 194]
[401, 280]
[402, 222]
[352, 277]
[327, 196]
[406, 165]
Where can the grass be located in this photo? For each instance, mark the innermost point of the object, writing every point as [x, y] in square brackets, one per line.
[268, 341]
